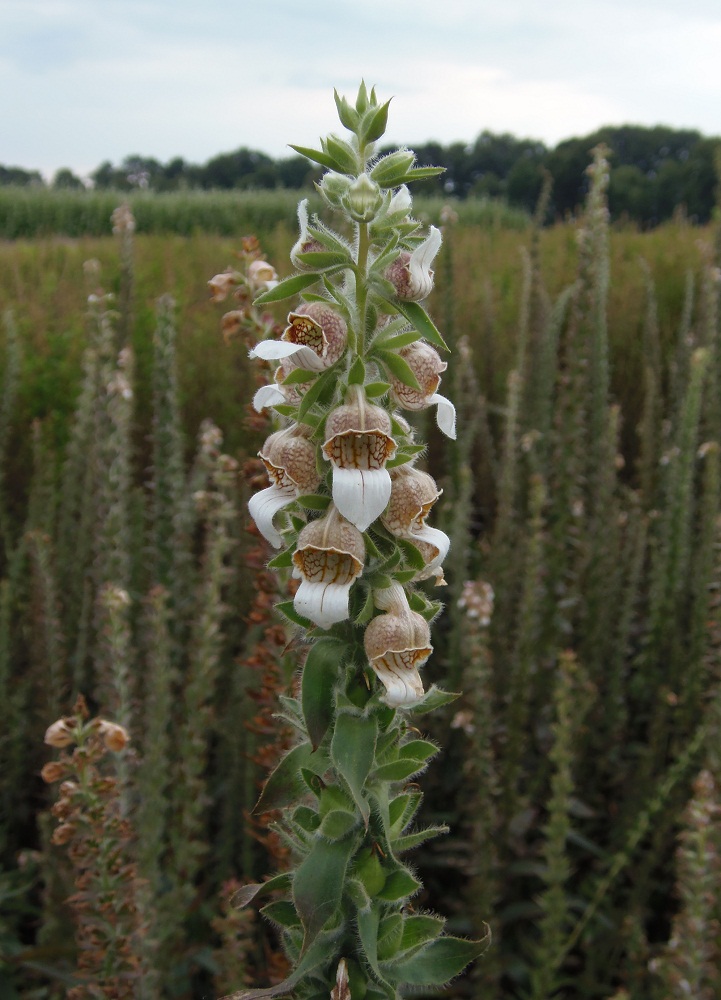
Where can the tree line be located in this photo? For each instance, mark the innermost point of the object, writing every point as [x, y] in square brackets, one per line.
[654, 172]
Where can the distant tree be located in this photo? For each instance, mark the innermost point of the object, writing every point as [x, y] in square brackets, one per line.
[244, 168]
[24, 178]
[65, 179]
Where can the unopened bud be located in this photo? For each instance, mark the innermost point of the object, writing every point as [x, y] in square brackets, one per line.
[114, 737]
[363, 199]
[60, 734]
[54, 770]
[63, 833]
[333, 186]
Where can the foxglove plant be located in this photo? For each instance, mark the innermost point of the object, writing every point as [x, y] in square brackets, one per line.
[347, 508]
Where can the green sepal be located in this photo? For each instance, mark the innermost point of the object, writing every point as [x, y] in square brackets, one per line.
[366, 612]
[411, 554]
[348, 116]
[437, 962]
[399, 367]
[374, 125]
[321, 672]
[314, 393]
[282, 560]
[390, 932]
[419, 318]
[379, 581]
[318, 884]
[372, 549]
[403, 808]
[313, 781]
[281, 912]
[286, 288]
[374, 389]
[313, 501]
[306, 818]
[418, 930]
[390, 168]
[357, 894]
[299, 375]
[285, 409]
[344, 154]
[421, 174]
[287, 608]
[318, 156]
[361, 101]
[247, 893]
[337, 824]
[434, 698]
[404, 575]
[405, 454]
[357, 372]
[399, 885]
[352, 751]
[400, 340]
[285, 784]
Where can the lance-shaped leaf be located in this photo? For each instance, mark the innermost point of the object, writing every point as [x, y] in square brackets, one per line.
[399, 885]
[285, 784]
[434, 698]
[418, 930]
[318, 156]
[437, 963]
[247, 893]
[419, 318]
[318, 884]
[368, 922]
[315, 956]
[397, 366]
[352, 751]
[287, 288]
[320, 674]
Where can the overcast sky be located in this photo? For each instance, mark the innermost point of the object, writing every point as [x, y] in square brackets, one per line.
[82, 81]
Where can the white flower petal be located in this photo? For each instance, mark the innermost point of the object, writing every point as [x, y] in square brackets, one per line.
[419, 265]
[276, 350]
[361, 495]
[401, 201]
[439, 540]
[267, 395]
[404, 688]
[324, 603]
[263, 507]
[445, 414]
[303, 226]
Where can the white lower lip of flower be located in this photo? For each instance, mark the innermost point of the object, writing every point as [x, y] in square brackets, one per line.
[263, 507]
[445, 414]
[440, 541]
[400, 677]
[324, 603]
[419, 265]
[277, 350]
[267, 395]
[361, 495]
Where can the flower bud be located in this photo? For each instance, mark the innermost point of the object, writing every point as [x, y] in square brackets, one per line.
[63, 833]
[362, 199]
[60, 734]
[114, 737]
[221, 285]
[333, 186]
[410, 273]
[53, 771]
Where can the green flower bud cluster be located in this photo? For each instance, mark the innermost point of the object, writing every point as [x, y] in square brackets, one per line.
[347, 508]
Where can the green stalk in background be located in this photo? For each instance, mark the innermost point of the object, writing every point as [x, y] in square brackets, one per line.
[358, 350]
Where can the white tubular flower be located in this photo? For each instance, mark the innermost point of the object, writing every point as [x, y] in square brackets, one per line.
[315, 338]
[413, 494]
[426, 365]
[410, 273]
[271, 395]
[289, 458]
[262, 276]
[328, 559]
[397, 644]
[358, 445]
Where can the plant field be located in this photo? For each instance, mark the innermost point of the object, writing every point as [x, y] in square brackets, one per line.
[581, 772]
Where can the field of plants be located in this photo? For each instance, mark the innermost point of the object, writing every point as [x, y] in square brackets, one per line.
[580, 770]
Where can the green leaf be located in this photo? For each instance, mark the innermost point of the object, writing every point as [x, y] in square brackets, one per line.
[404, 575]
[434, 698]
[282, 560]
[361, 103]
[337, 824]
[399, 770]
[318, 884]
[390, 932]
[399, 884]
[411, 554]
[411, 840]
[418, 750]
[419, 318]
[321, 260]
[281, 912]
[286, 288]
[405, 454]
[366, 612]
[300, 375]
[313, 957]
[401, 340]
[247, 893]
[403, 808]
[317, 155]
[399, 367]
[288, 609]
[418, 930]
[438, 962]
[373, 126]
[368, 921]
[357, 372]
[421, 174]
[316, 390]
[390, 168]
[313, 501]
[306, 818]
[320, 674]
[374, 389]
[352, 751]
[348, 115]
[285, 784]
